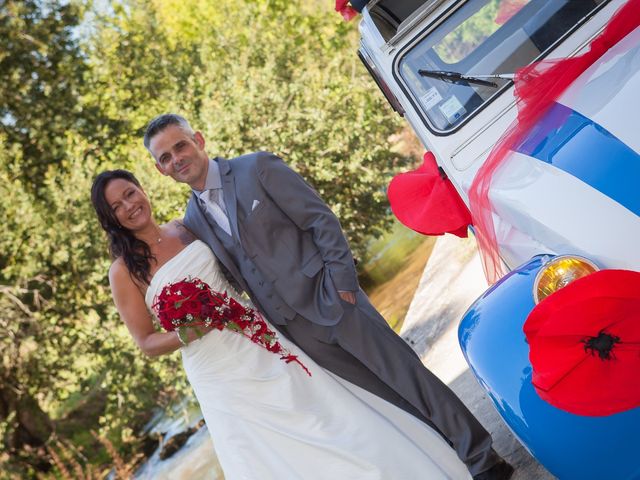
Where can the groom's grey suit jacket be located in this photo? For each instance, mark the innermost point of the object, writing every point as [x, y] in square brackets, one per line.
[286, 231]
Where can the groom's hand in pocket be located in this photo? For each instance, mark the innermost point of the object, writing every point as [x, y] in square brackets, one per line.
[348, 296]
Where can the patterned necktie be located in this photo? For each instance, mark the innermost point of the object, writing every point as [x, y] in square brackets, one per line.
[213, 201]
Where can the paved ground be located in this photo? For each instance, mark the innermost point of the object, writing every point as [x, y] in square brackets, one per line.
[452, 280]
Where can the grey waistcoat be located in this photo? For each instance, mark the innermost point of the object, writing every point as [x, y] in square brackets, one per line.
[262, 292]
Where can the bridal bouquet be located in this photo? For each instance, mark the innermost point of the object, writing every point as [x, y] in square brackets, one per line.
[192, 302]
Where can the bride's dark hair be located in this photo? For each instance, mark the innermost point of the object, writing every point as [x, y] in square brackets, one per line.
[122, 242]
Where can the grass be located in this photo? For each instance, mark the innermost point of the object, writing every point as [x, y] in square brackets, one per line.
[392, 275]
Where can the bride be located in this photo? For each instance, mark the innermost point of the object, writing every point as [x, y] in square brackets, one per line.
[268, 419]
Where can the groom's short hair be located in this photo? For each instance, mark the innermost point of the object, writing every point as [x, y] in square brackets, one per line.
[161, 122]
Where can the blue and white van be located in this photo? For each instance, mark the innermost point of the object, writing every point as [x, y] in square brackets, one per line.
[565, 202]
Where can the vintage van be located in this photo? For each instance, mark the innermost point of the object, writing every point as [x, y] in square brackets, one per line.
[566, 201]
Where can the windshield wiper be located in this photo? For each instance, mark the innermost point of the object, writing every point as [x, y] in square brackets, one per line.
[459, 78]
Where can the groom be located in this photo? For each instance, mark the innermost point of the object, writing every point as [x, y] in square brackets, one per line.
[279, 242]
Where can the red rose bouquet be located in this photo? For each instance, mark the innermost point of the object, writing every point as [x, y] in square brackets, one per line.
[191, 302]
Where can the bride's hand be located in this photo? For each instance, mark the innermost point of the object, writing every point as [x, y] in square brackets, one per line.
[193, 333]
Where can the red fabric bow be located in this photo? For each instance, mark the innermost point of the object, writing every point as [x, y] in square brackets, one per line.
[347, 12]
[584, 344]
[427, 202]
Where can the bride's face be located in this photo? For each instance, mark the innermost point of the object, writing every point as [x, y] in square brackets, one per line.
[129, 204]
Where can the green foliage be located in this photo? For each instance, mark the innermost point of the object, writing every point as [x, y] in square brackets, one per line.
[77, 87]
[40, 77]
[388, 255]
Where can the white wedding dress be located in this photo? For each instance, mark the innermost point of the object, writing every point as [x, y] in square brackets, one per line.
[270, 420]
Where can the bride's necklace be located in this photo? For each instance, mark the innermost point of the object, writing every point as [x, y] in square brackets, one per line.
[154, 239]
[158, 237]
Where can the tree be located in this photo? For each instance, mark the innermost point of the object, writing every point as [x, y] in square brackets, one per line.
[41, 72]
[41, 67]
[75, 95]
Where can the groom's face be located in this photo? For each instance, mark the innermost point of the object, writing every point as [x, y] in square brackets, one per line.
[180, 156]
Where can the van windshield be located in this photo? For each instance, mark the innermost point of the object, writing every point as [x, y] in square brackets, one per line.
[484, 37]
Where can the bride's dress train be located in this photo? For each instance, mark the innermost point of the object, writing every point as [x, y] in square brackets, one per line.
[270, 420]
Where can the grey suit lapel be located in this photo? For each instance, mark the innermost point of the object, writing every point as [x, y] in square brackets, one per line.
[196, 220]
[229, 192]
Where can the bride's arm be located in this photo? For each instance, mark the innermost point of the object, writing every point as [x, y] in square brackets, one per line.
[133, 311]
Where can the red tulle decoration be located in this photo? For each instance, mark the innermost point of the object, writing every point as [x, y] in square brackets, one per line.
[347, 12]
[427, 202]
[536, 86]
[191, 302]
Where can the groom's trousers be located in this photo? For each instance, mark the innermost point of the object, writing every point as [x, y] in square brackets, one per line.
[364, 350]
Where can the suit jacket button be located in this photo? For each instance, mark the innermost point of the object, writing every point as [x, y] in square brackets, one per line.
[270, 296]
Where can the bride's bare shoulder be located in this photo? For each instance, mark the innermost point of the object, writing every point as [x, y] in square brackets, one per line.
[119, 273]
[121, 280]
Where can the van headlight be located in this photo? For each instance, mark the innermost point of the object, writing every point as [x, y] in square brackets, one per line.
[559, 272]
